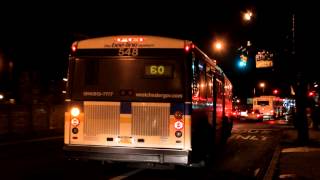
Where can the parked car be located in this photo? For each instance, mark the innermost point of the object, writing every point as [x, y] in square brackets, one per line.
[252, 115]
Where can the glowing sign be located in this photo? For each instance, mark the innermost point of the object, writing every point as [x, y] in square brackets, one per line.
[264, 59]
[158, 70]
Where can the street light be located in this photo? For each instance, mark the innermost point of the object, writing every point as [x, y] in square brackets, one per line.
[247, 15]
[262, 85]
[218, 45]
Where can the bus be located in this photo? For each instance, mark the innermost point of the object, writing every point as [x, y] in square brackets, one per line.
[269, 106]
[145, 99]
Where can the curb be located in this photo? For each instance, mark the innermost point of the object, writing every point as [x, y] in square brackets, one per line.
[273, 163]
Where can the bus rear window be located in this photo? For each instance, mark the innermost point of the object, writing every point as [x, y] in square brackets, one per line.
[263, 103]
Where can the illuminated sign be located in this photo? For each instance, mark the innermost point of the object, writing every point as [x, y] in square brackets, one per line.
[158, 70]
[264, 59]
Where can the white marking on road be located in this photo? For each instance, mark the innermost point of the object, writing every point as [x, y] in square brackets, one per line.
[249, 137]
[300, 149]
[256, 171]
[287, 176]
[127, 174]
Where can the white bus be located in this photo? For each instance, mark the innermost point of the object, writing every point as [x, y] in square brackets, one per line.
[265, 105]
[145, 99]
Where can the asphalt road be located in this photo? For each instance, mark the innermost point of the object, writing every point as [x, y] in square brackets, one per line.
[246, 155]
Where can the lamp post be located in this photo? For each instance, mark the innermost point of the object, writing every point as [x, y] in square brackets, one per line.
[262, 85]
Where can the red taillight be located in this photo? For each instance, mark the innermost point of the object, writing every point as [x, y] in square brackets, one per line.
[187, 48]
[74, 47]
[178, 125]
[75, 121]
[311, 93]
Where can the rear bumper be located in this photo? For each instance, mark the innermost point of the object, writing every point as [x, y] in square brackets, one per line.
[127, 155]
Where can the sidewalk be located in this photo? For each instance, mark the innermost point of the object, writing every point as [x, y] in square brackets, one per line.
[297, 161]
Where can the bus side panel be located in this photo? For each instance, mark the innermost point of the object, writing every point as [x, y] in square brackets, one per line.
[203, 132]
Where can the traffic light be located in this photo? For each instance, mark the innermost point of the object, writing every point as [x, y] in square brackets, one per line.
[244, 58]
[243, 61]
[275, 91]
[242, 64]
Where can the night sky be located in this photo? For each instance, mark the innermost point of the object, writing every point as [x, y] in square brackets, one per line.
[37, 37]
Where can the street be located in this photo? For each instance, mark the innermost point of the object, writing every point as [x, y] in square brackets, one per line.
[247, 154]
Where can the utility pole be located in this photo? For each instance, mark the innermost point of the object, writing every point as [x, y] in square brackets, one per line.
[301, 93]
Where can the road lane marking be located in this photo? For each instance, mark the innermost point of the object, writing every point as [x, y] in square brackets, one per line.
[249, 137]
[256, 171]
[287, 176]
[255, 131]
[300, 149]
[127, 174]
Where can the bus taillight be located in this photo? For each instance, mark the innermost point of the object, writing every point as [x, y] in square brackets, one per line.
[75, 121]
[187, 48]
[74, 47]
[178, 125]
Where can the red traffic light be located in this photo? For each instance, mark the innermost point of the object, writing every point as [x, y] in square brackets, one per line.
[275, 91]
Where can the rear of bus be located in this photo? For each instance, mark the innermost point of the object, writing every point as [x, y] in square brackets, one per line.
[265, 106]
[127, 99]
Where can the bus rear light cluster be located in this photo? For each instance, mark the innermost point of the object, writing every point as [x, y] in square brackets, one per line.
[75, 111]
[178, 134]
[75, 121]
[75, 130]
[178, 115]
[178, 125]
[74, 47]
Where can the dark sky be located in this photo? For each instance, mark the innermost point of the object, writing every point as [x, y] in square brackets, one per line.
[38, 35]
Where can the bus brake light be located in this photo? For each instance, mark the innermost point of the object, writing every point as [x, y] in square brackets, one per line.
[75, 121]
[74, 47]
[187, 48]
[178, 125]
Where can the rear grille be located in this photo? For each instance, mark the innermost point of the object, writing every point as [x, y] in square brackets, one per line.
[101, 118]
[150, 119]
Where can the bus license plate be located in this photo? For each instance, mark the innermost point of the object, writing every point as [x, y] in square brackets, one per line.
[125, 140]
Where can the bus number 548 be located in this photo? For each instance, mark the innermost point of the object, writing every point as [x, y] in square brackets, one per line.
[128, 52]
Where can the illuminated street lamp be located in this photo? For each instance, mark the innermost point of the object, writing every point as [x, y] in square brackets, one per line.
[218, 46]
[247, 16]
[262, 85]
